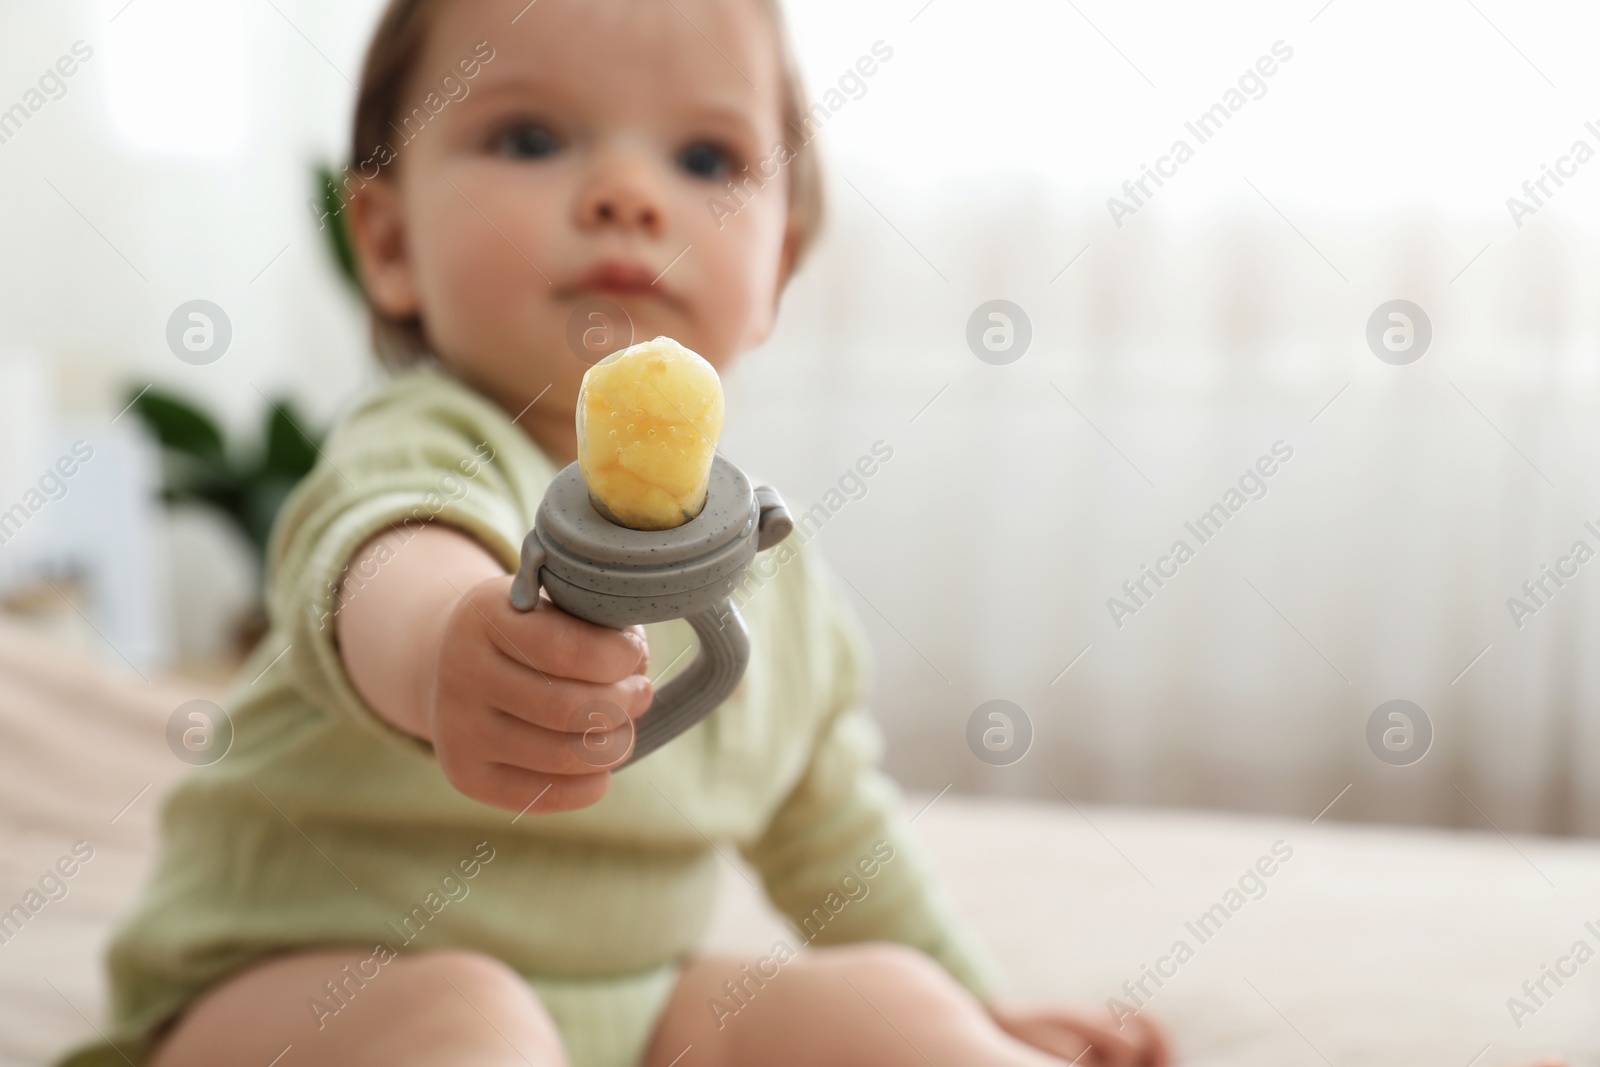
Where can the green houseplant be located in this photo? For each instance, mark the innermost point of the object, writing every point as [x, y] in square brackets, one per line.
[245, 482]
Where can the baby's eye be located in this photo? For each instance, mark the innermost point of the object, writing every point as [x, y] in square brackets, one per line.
[528, 141]
[706, 160]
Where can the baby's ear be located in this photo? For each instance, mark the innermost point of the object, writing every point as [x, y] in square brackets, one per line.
[378, 233]
[762, 329]
[787, 258]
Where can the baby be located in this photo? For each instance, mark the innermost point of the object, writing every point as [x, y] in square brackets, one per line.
[410, 855]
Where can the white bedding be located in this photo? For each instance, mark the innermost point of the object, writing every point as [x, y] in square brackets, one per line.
[1366, 946]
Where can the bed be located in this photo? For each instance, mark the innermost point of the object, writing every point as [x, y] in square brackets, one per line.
[1309, 942]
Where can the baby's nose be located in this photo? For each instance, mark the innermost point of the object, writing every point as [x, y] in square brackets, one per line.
[624, 201]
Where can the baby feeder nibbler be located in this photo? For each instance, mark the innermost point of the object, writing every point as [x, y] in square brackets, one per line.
[610, 574]
[613, 576]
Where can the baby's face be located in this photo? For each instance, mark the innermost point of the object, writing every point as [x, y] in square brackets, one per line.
[578, 167]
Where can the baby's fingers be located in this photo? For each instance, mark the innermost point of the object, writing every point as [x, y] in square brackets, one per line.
[1154, 1043]
[560, 704]
[533, 793]
[604, 744]
[556, 644]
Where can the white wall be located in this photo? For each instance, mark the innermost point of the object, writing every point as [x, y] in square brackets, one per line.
[177, 219]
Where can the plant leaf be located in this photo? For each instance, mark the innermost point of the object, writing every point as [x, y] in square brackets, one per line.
[290, 448]
[179, 425]
[334, 228]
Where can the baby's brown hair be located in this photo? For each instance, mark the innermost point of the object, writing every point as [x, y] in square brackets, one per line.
[396, 47]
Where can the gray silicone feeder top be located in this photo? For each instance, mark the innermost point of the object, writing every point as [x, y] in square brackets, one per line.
[588, 550]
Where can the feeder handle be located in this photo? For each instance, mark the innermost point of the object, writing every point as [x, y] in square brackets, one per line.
[702, 687]
[525, 586]
[775, 522]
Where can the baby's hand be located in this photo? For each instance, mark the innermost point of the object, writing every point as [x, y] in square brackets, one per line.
[532, 711]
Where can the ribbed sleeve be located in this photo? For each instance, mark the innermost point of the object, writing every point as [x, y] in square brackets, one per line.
[447, 467]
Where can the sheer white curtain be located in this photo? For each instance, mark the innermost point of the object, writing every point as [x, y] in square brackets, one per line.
[1228, 313]
[1164, 364]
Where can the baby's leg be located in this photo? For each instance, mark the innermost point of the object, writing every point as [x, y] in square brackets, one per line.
[872, 1005]
[451, 1007]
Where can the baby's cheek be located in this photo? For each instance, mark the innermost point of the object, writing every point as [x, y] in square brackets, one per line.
[741, 283]
[475, 290]
[471, 275]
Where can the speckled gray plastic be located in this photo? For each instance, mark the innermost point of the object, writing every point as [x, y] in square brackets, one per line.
[613, 576]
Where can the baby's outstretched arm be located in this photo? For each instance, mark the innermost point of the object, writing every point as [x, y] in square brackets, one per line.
[517, 706]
